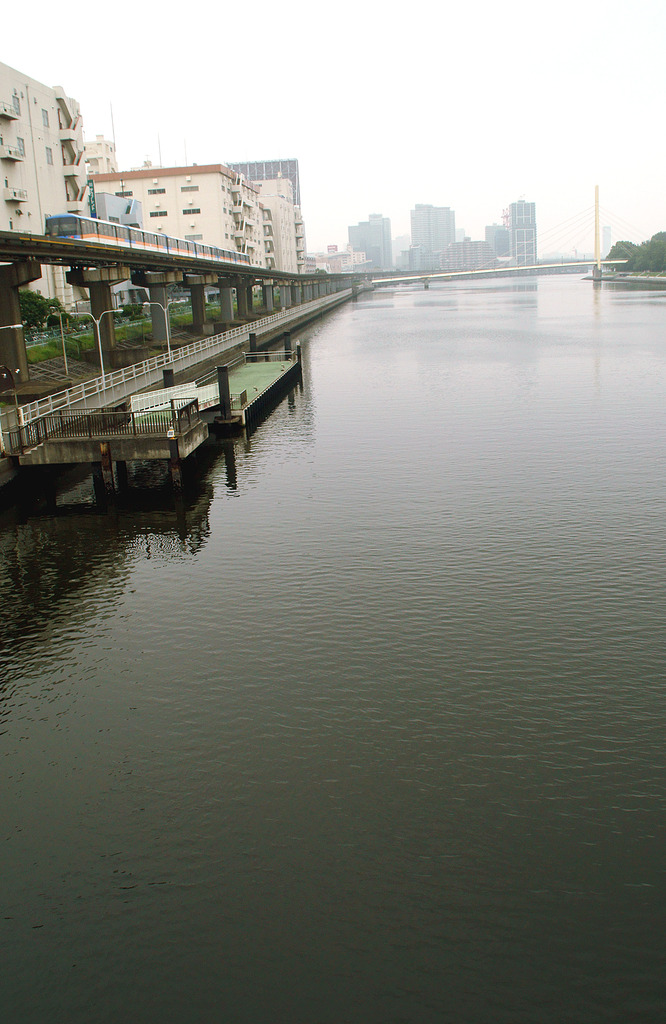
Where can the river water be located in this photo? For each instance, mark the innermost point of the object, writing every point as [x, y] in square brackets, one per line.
[371, 729]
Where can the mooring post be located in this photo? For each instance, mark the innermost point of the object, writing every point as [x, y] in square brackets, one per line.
[174, 464]
[253, 342]
[299, 354]
[287, 342]
[168, 377]
[224, 392]
[107, 467]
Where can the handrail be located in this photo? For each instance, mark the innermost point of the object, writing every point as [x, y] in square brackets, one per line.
[180, 359]
[101, 423]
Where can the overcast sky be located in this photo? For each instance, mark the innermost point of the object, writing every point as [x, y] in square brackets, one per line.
[385, 105]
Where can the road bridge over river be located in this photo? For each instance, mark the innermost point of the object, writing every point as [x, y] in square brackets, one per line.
[425, 277]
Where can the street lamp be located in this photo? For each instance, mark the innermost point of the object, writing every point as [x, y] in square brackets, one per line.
[97, 321]
[55, 309]
[165, 310]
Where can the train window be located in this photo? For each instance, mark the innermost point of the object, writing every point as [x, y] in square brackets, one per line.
[135, 235]
[163, 241]
[122, 232]
[62, 227]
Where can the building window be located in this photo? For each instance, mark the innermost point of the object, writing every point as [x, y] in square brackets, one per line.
[124, 195]
[45, 118]
[189, 188]
[158, 213]
[49, 155]
[17, 104]
[196, 209]
[20, 145]
[156, 191]
[193, 238]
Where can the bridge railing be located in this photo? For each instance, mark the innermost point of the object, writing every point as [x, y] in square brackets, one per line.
[95, 390]
[102, 423]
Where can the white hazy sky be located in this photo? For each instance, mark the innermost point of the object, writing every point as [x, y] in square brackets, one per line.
[385, 105]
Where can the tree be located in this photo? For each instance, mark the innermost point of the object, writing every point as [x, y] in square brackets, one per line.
[34, 308]
[647, 257]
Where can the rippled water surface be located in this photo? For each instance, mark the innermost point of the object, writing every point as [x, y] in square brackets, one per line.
[372, 729]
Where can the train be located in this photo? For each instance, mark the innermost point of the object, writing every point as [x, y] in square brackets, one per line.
[105, 232]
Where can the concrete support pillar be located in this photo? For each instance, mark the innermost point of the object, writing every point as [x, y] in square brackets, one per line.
[168, 376]
[224, 392]
[250, 298]
[12, 343]
[99, 282]
[296, 295]
[158, 293]
[267, 297]
[241, 300]
[226, 302]
[198, 294]
[98, 484]
[121, 474]
[101, 300]
[285, 296]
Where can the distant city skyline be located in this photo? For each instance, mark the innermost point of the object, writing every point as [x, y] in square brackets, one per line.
[364, 148]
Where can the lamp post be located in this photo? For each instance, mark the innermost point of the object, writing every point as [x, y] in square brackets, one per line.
[54, 309]
[167, 324]
[97, 321]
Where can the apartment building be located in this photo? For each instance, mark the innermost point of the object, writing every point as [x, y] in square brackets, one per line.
[42, 167]
[433, 230]
[100, 156]
[208, 203]
[285, 249]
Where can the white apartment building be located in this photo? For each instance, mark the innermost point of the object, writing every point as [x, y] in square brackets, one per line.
[42, 169]
[280, 224]
[208, 203]
[100, 156]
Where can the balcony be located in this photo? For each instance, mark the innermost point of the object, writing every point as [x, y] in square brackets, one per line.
[10, 153]
[7, 110]
[68, 134]
[15, 195]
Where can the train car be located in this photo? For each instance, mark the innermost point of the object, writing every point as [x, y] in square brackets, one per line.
[104, 232]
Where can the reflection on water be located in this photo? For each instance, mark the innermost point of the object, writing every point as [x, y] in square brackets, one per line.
[370, 727]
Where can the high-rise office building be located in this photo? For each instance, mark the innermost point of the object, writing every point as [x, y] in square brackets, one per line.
[607, 240]
[499, 239]
[373, 237]
[523, 229]
[433, 229]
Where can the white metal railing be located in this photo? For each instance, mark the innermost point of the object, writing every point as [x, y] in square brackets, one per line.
[148, 401]
[103, 390]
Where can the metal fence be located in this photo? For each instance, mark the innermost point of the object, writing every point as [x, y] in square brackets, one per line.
[103, 423]
[136, 375]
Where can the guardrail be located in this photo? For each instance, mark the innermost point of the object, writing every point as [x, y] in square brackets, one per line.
[102, 423]
[188, 355]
